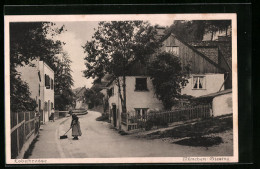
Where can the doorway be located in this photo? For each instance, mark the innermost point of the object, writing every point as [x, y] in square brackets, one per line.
[114, 114]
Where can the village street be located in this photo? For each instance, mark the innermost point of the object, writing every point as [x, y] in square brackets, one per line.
[99, 140]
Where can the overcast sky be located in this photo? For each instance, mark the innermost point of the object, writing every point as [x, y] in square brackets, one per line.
[77, 34]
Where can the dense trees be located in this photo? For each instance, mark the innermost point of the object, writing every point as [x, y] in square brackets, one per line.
[93, 96]
[194, 30]
[115, 46]
[168, 78]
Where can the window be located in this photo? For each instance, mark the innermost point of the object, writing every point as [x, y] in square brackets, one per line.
[141, 112]
[198, 82]
[45, 106]
[111, 92]
[141, 84]
[173, 49]
[47, 81]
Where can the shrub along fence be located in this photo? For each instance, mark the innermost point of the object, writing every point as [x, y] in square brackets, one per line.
[151, 119]
[24, 126]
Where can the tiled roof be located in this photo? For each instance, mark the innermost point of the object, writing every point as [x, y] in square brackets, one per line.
[225, 48]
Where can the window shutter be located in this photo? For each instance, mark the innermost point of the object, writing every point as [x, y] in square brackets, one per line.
[51, 83]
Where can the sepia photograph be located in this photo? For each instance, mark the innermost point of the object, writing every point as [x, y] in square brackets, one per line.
[146, 88]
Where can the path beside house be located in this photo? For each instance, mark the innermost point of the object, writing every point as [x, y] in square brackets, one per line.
[47, 144]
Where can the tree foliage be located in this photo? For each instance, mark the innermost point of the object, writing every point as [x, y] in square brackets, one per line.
[28, 41]
[94, 96]
[194, 30]
[63, 82]
[115, 46]
[168, 78]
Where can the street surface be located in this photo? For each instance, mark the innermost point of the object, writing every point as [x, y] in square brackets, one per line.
[99, 140]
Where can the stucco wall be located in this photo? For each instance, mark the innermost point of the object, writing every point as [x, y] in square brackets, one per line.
[222, 104]
[136, 99]
[48, 93]
[213, 83]
[141, 99]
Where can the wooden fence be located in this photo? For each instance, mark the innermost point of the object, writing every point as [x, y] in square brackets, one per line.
[162, 118]
[23, 125]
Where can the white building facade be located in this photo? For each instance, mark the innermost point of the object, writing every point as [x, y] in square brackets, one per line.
[40, 79]
[140, 98]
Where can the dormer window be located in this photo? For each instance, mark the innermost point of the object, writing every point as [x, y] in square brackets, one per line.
[173, 49]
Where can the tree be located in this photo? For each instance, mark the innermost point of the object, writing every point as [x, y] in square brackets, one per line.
[63, 82]
[212, 26]
[168, 78]
[94, 97]
[192, 30]
[28, 40]
[115, 47]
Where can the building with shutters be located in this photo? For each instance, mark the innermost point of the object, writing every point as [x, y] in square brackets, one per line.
[40, 79]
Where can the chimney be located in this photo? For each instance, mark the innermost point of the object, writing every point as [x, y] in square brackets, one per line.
[160, 32]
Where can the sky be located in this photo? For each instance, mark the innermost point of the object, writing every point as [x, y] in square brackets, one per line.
[77, 35]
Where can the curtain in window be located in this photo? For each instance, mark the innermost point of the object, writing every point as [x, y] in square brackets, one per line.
[195, 82]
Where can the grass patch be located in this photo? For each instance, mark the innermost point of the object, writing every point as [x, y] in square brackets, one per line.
[200, 141]
[198, 129]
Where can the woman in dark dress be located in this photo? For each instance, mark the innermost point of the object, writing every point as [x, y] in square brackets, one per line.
[75, 125]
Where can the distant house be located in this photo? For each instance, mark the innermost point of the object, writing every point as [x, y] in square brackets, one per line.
[79, 95]
[40, 79]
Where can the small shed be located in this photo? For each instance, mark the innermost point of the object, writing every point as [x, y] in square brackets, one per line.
[221, 102]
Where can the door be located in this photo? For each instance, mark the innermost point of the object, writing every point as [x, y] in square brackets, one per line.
[114, 115]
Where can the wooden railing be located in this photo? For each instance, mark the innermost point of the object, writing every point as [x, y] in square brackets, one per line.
[23, 125]
[165, 117]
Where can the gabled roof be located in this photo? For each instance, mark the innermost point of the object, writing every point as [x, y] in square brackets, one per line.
[193, 49]
[79, 92]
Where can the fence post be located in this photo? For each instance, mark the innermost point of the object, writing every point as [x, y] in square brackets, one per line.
[17, 134]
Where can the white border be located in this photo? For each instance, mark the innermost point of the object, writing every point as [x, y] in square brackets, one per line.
[106, 17]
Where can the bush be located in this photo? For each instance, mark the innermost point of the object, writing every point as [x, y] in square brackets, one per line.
[155, 119]
[103, 117]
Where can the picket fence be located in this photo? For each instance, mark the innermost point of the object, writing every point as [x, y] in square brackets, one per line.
[165, 117]
[23, 126]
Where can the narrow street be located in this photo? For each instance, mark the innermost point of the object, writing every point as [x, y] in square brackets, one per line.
[99, 140]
